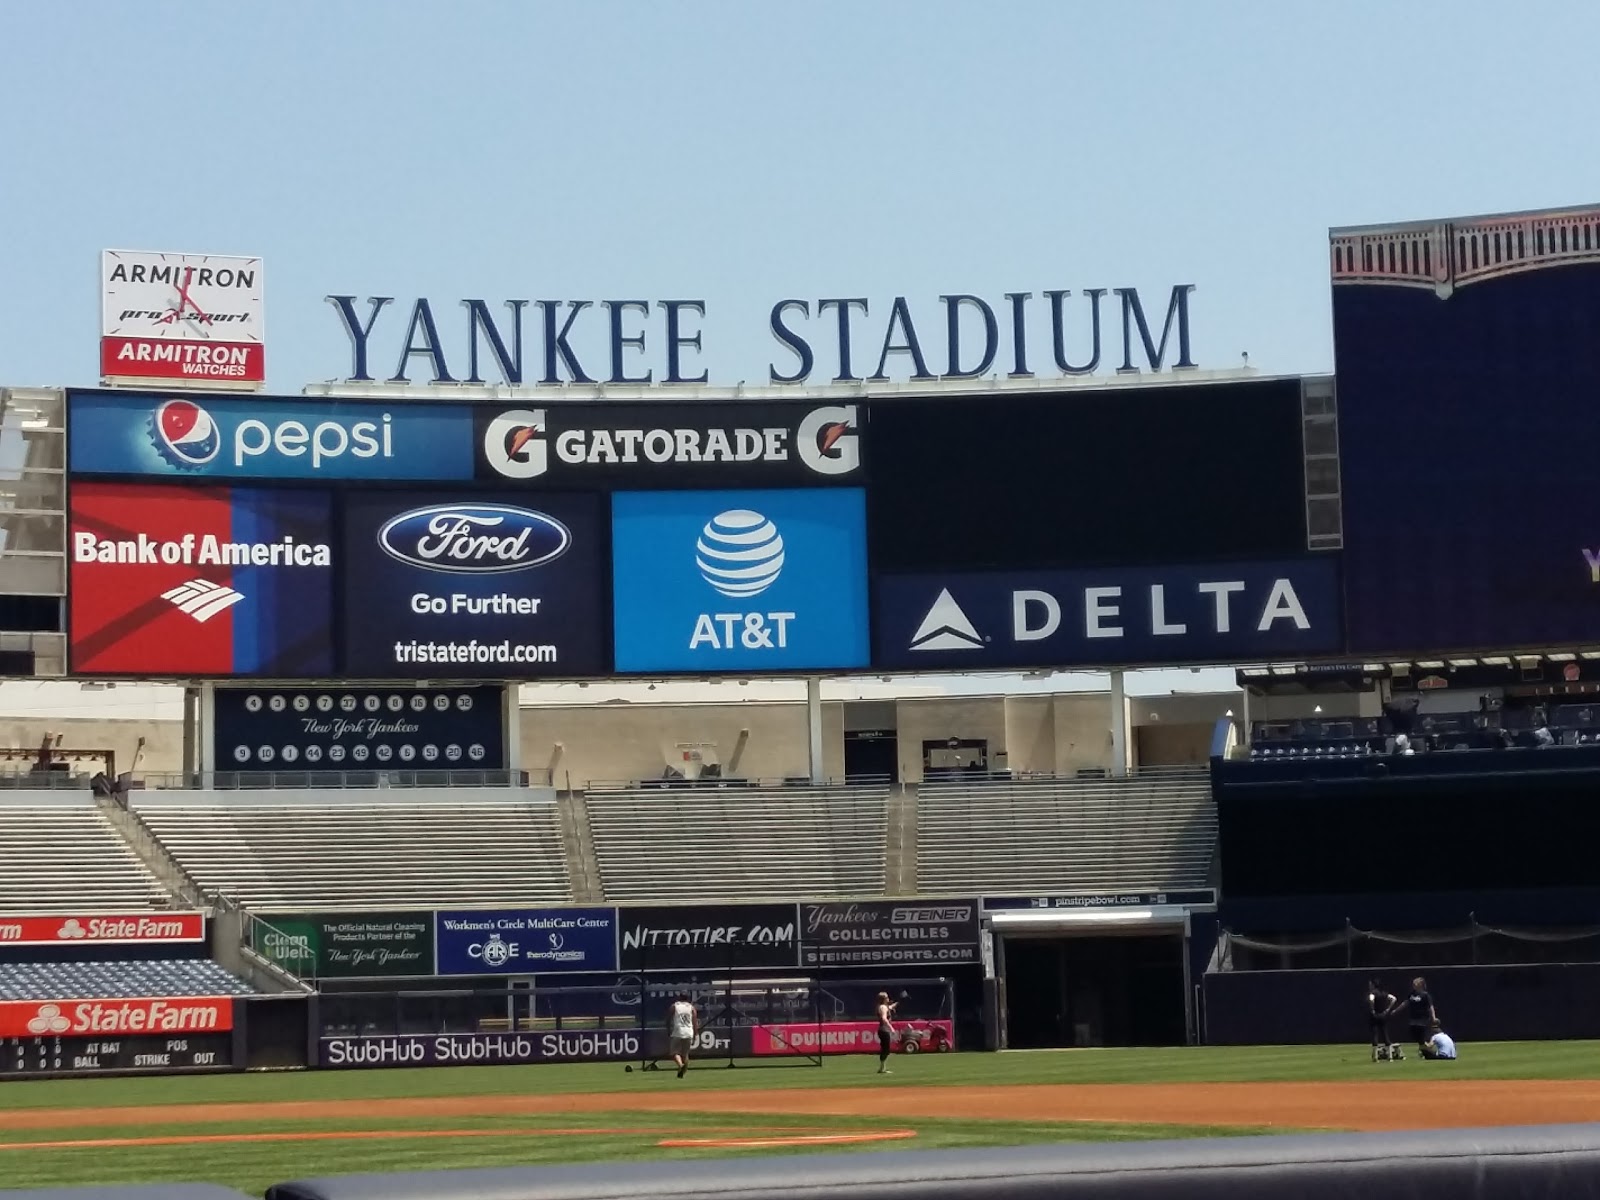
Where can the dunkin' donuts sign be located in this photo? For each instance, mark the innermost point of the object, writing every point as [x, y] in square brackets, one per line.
[102, 929]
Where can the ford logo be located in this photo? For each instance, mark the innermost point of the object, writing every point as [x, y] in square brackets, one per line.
[474, 539]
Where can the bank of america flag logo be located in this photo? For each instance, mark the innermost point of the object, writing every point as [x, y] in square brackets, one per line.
[946, 627]
[202, 599]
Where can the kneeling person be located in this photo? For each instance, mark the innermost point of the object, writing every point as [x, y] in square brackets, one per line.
[1439, 1045]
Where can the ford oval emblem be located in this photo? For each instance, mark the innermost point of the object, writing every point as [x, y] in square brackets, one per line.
[474, 539]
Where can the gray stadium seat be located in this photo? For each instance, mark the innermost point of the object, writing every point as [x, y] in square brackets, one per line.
[402, 854]
[740, 843]
[1143, 833]
[66, 857]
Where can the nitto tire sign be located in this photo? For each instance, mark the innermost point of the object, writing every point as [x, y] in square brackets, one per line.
[656, 445]
[692, 937]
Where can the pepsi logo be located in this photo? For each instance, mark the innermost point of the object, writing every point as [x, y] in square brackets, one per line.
[740, 553]
[185, 434]
[478, 539]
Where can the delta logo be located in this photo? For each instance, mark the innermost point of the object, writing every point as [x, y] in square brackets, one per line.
[62, 1018]
[184, 434]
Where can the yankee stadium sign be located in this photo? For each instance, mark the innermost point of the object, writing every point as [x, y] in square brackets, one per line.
[555, 342]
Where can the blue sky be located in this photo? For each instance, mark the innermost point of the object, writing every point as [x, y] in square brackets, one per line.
[743, 152]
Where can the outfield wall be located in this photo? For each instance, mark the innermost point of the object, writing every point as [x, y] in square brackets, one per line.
[1475, 1004]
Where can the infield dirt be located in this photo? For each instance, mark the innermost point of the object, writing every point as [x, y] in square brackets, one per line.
[1372, 1106]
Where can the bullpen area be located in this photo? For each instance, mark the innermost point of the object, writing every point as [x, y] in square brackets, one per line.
[253, 1130]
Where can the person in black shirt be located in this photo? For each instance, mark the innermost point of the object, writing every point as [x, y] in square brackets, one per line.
[1380, 1004]
[1420, 1014]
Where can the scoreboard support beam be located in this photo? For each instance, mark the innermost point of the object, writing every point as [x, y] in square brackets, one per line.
[191, 733]
[814, 726]
[1119, 725]
[208, 728]
[511, 722]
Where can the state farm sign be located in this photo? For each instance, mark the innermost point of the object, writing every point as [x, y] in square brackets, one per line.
[192, 319]
[93, 1018]
[102, 929]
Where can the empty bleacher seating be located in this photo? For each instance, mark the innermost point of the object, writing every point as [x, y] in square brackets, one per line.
[108, 980]
[416, 853]
[1145, 833]
[739, 843]
[66, 857]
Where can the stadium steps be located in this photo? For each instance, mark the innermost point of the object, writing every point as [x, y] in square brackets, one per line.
[740, 843]
[1155, 833]
[306, 855]
[900, 854]
[68, 858]
[577, 845]
[148, 849]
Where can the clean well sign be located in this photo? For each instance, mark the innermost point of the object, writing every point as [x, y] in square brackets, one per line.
[182, 319]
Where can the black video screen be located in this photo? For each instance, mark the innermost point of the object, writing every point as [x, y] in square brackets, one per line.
[1396, 835]
[1112, 477]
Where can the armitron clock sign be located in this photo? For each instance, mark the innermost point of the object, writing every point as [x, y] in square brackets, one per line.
[181, 319]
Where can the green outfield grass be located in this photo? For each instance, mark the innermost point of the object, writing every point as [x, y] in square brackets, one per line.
[253, 1166]
[512, 1139]
[1200, 1064]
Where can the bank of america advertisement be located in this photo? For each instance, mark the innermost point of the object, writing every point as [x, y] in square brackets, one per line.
[1471, 337]
[1215, 614]
[769, 580]
[222, 437]
[452, 585]
[218, 581]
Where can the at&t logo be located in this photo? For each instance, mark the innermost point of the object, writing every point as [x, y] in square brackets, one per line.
[740, 554]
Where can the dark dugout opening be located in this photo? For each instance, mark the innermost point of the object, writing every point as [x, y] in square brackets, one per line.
[1094, 990]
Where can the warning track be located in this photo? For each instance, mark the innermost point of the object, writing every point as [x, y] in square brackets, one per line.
[1405, 1104]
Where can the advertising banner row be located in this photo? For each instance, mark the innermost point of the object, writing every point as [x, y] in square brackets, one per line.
[101, 929]
[573, 446]
[242, 582]
[609, 1045]
[607, 940]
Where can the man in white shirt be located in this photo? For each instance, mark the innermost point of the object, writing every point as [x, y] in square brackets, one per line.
[683, 1022]
[1440, 1045]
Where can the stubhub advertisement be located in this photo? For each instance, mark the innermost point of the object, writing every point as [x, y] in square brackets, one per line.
[445, 585]
[740, 580]
[168, 580]
[229, 437]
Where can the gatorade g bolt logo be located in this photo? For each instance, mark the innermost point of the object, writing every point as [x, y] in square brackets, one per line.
[185, 434]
